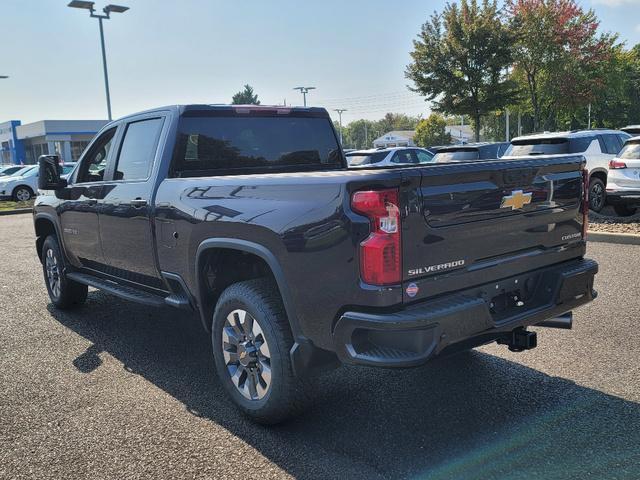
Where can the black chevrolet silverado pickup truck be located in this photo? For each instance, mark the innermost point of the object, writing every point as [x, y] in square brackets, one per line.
[249, 217]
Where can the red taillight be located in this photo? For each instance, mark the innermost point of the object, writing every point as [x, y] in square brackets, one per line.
[380, 256]
[585, 203]
[614, 164]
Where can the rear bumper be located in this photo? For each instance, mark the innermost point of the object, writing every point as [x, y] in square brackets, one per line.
[623, 197]
[464, 319]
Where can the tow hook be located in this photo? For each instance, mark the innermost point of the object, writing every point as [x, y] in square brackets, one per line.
[519, 340]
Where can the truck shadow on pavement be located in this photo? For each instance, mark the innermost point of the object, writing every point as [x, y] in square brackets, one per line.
[470, 416]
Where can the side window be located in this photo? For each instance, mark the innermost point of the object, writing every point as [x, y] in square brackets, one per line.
[580, 144]
[138, 150]
[403, 156]
[612, 143]
[94, 162]
[623, 138]
[502, 148]
[423, 157]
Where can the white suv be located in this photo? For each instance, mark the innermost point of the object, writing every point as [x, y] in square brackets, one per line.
[598, 147]
[623, 184]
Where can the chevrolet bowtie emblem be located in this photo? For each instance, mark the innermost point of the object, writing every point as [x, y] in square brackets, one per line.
[516, 200]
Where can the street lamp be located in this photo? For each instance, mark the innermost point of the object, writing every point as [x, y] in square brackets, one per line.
[304, 91]
[107, 14]
[340, 112]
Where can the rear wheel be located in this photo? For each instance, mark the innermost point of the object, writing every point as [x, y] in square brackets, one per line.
[597, 194]
[64, 293]
[22, 194]
[251, 342]
[624, 210]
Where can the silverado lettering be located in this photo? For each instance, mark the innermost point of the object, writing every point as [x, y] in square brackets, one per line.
[436, 268]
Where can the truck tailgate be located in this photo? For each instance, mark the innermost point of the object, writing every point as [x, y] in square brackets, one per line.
[472, 223]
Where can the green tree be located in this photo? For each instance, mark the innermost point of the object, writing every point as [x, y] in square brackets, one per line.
[559, 58]
[432, 131]
[397, 121]
[460, 58]
[245, 97]
[361, 133]
[617, 103]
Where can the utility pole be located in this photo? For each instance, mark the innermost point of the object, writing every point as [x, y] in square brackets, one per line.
[304, 91]
[506, 124]
[519, 123]
[107, 15]
[589, 121]
[340, 110]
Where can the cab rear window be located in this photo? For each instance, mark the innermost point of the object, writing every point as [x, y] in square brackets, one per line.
[220, 145]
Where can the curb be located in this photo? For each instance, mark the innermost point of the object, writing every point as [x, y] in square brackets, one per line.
[15, 212]
[620, 238]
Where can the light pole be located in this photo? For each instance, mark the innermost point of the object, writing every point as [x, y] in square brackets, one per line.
[340, 110]
[304, 91]
[107, 14]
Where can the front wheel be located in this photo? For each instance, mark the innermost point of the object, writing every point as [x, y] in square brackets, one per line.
[22, 194]
[597, 194]
[624, 210]
[64, 293]
[251, 342]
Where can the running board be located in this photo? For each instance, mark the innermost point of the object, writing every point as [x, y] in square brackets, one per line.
[122, 291]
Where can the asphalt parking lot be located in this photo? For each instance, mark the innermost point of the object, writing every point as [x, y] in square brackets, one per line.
[117, 390]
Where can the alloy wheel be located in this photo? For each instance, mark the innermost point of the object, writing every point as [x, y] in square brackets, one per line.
[53, 272]
[246, 354]
[596, 195]
[23, 195]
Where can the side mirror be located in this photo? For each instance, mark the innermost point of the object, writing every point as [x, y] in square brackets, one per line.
[49, 171]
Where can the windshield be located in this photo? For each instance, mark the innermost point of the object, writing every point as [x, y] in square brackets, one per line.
[361, 158]
[631, 151]
[66, 169]
[228, 145]
[32, 172]
[456, 156]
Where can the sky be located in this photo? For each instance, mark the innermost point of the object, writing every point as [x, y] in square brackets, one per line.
[163, 52]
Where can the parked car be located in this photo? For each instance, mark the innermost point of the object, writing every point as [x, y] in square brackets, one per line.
[21, 185]
[623, 184]
[67, 168]
[598, 147]
[294, 263]
[471, 151]
[8, 170]
[631, 129]
[388, 157]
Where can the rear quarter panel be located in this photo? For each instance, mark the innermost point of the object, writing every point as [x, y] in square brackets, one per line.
[301, 218]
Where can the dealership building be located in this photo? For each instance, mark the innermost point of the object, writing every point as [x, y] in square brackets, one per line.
[23, 144]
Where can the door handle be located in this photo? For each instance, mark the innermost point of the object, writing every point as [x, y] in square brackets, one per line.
[138, 202]
[91, 201]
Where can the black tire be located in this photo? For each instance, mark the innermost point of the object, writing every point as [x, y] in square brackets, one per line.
[286, 395]
[21, 192]
[597, 194]
[65, 294]
[624, 210]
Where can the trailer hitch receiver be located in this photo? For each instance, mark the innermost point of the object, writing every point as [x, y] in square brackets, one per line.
[519, 340]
